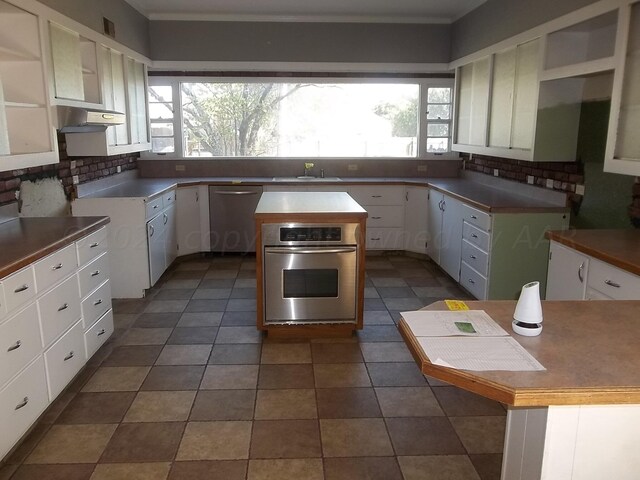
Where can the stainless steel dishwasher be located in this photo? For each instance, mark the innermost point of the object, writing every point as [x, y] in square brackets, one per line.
[231, 210]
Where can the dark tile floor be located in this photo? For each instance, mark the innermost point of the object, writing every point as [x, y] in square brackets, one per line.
[188, 389]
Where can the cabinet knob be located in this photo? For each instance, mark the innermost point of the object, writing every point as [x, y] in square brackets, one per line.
[376, 218]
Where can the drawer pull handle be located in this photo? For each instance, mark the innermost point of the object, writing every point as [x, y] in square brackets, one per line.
[376, 218]
[581, 272]
[155, 206]
[15, 346]
[102, 332]
[63, 307]
[376, 239]
[376, 196]
[473, 257]
[473, 235]
[57, 267]
[474, 217]
[151, 231]
[22, 404]
[96, 273]
[70, 356]
[611, 283]
[94, 245]
[21, 289]
[97, 302]
[471, 281]
[166, 218]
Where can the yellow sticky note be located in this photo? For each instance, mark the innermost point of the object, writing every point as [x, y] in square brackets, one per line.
[456, 305]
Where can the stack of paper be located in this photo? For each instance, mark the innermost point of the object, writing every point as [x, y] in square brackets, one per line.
[468, 340]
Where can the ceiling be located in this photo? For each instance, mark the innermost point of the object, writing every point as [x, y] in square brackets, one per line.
[382, 11]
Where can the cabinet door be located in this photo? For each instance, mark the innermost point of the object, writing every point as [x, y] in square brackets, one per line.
[526, 94]
[136, 89]
[416, 219]
[567, 274]
[188, 228]
[156, 242]
[114, 93]
[502, 89]
[451, 238]
[434, 224]
[170, 237]
[67, 63]
[473, 107]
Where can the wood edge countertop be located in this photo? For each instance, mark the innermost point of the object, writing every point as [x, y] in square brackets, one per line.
[589, 349]
[26, 240]
[620, 248]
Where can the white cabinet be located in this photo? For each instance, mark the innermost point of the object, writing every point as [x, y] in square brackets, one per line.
[416, 215]
[385, 206]
[472, 99]
[114, 93]
[445, 232]
[567, 274]
[162, 242]
[189, 231]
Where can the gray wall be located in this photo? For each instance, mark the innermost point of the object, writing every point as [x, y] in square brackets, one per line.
[299, 42]
[497, 20]
[132, 28]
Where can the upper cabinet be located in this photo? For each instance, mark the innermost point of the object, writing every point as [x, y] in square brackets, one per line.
[623, 141]
[27, 136]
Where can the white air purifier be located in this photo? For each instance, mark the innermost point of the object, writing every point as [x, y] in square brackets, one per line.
[527, 319]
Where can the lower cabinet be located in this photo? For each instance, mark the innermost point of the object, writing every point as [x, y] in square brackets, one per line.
[416, 218]
[58, 315]
[445, 232]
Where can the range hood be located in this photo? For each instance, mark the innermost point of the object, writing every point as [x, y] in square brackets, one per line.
[79, 120]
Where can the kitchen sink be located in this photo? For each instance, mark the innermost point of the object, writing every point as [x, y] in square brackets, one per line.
[307, 178]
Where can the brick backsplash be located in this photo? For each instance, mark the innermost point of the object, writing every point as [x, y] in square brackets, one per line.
[86, 168]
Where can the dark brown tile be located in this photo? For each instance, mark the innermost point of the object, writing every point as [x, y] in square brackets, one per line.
[27, 445]
[369, 468]
[129, 305]
[187, 275]
[355, 437]
[286, 376]
[206, 305]
[459, 403]
[347, 403]
[183, 377]
[107, 407]
[54, 472]
[157, 320]
[247, 354]
[374, 304]
[244, 293]
[174, 294]
[480, 434]
[144, 442]
[379, 333]
[424, 281]
[336, 353]
[339, 375]
[241, 305]
[133, 356]
[209, 470]
[238, 319]
[285, 439]
[193, 336]
[54, 410]
[424, 436]
[223, 405]
[395, 292]
[488, 465]
[217, 283]
[395, 374]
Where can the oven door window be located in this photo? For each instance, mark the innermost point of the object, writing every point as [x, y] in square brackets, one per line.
[310, 283]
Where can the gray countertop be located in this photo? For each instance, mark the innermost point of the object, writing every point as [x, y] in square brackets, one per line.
[308, 202]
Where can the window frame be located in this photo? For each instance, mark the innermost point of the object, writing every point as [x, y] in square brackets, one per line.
[423, 84]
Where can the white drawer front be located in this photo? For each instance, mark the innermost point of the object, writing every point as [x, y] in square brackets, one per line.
[476, 258]
[93, 274]
[475, 236]
[19, 342]
[98, 334]
[385, 216]
[476, 217]
[475, 283]
[593, 294]
[3, 304]
[385, 239]
[96, 304]
[59, 309]
[50, 270]
[21, 403]
[64, 359]
[154, 206]
[613, 281]
[91, 246]
[168, 198]
[377, 194]
[19, 288]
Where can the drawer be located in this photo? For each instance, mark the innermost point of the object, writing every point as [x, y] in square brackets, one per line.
[475, 236]
[377, 194]
[93, 274]
[3, 304]
[385, 239]
[385, 216]
[59, 309]
[91, 246]
[96, 304]
[19, 342]
[476, 217]
[476, 258]
[64, 359]
[593, 294]
[21, 403]
[50, 270]
[613, 281]
[472, 281]
[168, 198]
[95, 337]
[154, 206]
[19, 288]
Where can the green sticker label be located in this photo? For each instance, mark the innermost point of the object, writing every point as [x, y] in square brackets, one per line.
[465, 327]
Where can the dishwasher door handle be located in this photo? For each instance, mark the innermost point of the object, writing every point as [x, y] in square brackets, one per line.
[235, 192]
[290, 250]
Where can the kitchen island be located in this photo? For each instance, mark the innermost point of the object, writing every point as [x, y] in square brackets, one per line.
[579, 419]
[310, 260]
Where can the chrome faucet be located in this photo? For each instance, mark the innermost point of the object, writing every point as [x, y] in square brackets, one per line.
[308, 166]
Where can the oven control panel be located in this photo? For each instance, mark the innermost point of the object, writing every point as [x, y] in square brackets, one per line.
[313, 234]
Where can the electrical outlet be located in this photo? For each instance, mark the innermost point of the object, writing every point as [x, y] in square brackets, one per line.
[496, 172]
[580, 190]
[530, 179]
[422, 168]
[72, 164]
[181, 168]
[549, 182]
[118, 169]
[352, 167]
[76, 180]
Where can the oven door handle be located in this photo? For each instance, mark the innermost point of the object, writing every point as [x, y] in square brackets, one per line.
[305, 250]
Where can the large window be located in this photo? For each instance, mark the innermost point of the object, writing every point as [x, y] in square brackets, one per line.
[305, 118]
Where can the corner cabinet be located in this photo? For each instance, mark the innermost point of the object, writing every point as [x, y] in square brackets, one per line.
[27, 134]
